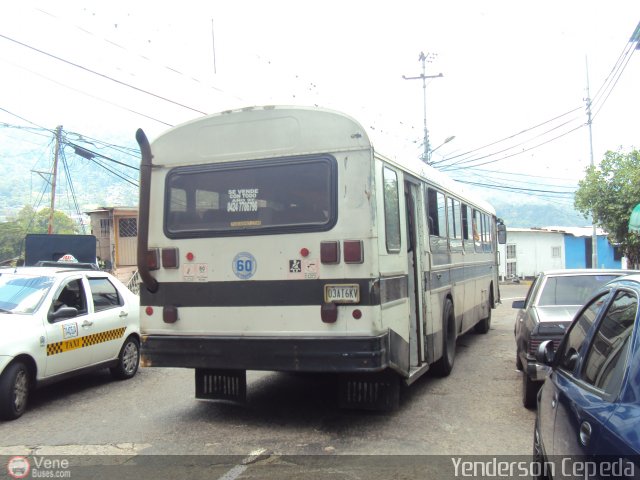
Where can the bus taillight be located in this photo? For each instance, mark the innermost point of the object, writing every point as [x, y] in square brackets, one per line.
[329, 312]
[330, 252]
[170, 257]
[353, 251]
[170, 314]
[153, 259]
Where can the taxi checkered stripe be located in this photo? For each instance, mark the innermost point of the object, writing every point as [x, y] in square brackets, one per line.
[87, 341]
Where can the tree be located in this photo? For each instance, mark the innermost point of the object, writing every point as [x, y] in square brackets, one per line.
[12, 233]
[609, 192]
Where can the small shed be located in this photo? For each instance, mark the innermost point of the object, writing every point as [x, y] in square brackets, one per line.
[116, 231]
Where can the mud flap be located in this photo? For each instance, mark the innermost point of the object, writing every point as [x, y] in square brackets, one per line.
[221, 385]
[370, 391]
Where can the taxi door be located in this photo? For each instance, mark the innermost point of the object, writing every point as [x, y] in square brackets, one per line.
[65, 346]
[109, 318]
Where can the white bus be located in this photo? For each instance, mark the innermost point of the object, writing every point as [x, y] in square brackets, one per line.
[278, 239]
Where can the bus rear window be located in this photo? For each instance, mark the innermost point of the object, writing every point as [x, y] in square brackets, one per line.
[251, 197]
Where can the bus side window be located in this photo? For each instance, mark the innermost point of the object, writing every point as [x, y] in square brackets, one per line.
[477, 231]
[432, 212]
[455, 233]
[391, 210]
[467, 228]
[437, 220]
[487, 240]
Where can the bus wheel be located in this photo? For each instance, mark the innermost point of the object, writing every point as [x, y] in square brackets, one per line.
[443, 367]
[484, 325]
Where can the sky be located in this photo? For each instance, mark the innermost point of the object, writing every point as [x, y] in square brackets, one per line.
[512, 91]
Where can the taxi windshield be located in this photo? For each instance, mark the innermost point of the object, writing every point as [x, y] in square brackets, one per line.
[22, 294]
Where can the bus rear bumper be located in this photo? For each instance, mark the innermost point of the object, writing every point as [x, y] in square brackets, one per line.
[295, 354]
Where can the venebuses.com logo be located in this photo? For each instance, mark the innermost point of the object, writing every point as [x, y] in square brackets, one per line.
[38, 467]
[18, 467]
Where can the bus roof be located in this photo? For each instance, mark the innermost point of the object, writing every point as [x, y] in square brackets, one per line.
[284, 130]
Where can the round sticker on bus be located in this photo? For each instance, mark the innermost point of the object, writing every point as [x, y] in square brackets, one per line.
[244, 265]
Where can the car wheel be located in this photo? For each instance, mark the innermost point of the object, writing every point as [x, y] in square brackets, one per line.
[15, 386]
[529, 391]
[128, 360]
[539, 464]
[443, 367]
[484, 325]
[519, 365]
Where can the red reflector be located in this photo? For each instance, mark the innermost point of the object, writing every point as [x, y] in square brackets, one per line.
[190, 256]
[170, 257]
[170, 314]
[330, 252]
[357, 314]
[153, 260]
[149, 310]
[353, 251]
[329, 312]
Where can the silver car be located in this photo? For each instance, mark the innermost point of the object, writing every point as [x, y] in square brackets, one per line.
[552, 300]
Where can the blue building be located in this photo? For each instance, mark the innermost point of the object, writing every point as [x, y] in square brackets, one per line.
[578, 249]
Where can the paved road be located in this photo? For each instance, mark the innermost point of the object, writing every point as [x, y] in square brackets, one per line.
[475, 411]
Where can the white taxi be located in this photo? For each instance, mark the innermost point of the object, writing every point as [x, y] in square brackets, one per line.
[60, 321]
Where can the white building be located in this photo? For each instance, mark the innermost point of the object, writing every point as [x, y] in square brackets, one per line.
[529, 251]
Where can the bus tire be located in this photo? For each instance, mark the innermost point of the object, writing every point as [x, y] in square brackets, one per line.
[484, 324]
[443, 367]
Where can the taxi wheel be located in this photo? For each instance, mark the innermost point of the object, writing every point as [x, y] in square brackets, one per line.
[15, 385]
[128, 360]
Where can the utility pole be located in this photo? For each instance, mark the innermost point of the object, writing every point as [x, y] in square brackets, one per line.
[54, 176]
[594, 235]
[213, 42]
[426, 156]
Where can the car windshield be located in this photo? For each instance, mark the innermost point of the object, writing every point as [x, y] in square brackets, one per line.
[571, 290]
[22, 294]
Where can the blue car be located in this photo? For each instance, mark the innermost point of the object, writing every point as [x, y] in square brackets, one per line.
[588, 417]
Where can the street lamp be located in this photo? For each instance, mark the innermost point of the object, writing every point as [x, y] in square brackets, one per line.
[446, 140]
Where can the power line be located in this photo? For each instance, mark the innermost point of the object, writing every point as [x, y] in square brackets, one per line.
[25, 120]
[83, 151]
[87, 94]
[615, 80]
[102, 75]
[510, 136]
[137, 54]
[600, 97]
[468, 160]
[451, 167]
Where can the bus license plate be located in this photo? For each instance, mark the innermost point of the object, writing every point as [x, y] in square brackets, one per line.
[349, 293]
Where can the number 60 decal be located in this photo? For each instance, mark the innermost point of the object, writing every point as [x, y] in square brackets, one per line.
[244, 265]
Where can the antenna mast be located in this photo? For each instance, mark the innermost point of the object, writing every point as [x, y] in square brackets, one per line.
[426, 156]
